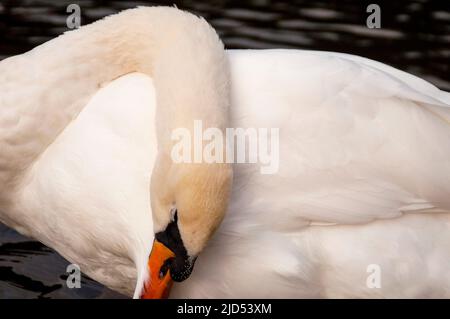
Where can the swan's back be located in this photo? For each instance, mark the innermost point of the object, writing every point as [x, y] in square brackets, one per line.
[363, 171]
[357, 142]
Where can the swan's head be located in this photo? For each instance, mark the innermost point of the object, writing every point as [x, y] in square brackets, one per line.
[188, 204]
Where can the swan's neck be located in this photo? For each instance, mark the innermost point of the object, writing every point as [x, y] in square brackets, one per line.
[43, 90]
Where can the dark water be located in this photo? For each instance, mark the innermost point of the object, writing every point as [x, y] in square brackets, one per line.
[414, 36]
[28, 269]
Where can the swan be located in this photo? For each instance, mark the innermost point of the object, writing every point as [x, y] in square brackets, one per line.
[362, 183]
[190, 75]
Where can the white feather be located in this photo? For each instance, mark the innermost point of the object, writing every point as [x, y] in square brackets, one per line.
[364, 169]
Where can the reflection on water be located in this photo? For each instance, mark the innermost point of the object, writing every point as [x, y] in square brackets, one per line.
[29, 269]
[415, 37]
[13, 253]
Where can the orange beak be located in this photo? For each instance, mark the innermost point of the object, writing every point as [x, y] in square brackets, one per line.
[158, 285]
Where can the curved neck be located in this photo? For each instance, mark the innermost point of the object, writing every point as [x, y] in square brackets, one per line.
[44, 89]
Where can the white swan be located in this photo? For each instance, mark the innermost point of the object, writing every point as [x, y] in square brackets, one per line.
[363, 183]
[189, 67]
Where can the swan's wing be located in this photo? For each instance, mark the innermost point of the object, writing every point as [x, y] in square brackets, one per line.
[359, 140]
[90, 186]
[409, 86]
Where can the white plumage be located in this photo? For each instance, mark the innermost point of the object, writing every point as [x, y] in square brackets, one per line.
[364, 173]
[364, 178]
